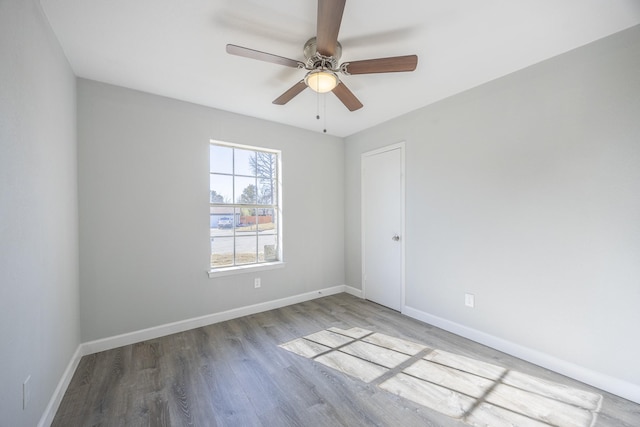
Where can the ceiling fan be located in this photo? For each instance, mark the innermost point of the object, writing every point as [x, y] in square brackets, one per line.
[322, 54]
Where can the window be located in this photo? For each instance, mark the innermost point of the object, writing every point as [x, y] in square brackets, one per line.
[244, 197]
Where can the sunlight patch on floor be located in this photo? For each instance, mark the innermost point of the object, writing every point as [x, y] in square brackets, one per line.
[476, 392]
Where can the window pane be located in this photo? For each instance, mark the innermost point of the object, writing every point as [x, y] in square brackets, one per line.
[267, 221]
[246, 249]
[220, 188]
[220, 159]
[221, 221]
[245, 190]
[266, 191]
[221, 251]
[247, 220]
[245, 162]
[267, 248]
[266, 165]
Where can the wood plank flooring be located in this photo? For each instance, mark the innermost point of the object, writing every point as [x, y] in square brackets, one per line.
[235, 373]
[464, 388]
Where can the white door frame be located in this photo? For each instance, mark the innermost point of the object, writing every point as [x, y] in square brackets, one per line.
[401, 146]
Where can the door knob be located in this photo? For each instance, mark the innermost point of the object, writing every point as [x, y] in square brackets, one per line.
[395, 238]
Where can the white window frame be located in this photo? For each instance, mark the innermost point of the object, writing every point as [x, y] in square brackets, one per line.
[257, 266]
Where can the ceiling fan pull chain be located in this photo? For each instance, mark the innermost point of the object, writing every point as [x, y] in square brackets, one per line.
[324, 113]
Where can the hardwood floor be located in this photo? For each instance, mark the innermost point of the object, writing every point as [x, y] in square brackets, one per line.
[236, 373]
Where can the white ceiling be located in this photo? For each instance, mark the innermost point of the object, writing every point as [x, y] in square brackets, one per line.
[176, 48]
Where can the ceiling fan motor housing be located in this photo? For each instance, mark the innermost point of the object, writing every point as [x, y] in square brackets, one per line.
[316, 60]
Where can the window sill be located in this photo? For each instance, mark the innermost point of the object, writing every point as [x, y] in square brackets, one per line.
[230, 271]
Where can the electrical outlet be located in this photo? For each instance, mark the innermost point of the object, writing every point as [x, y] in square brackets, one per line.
[257, 283]
[469, 300]
[26, 392]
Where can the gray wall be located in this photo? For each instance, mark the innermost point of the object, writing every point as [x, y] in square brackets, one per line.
[39, 329]
[144, 212]
[526, 192]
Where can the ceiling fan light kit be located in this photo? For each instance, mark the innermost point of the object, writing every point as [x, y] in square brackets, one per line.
[322, 54]
[321, 81]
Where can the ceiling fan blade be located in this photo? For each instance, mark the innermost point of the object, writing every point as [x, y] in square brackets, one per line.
[347, 97]
[382, 65]
[329, 19]
[262, 56]
[291, 93]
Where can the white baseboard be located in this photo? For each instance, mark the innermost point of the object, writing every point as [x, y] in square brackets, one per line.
[50, 411]
[602, 381]
[196, 322]
[353, 291]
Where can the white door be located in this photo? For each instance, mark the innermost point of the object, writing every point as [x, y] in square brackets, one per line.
[383, 226]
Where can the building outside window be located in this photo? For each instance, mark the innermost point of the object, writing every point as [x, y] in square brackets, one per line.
[244, 197]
